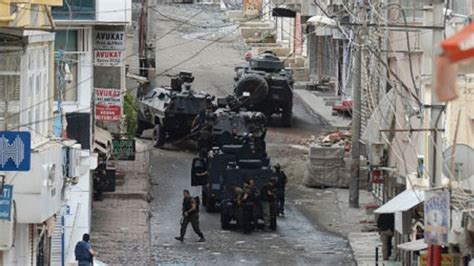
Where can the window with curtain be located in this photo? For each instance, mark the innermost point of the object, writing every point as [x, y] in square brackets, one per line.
[66, 64]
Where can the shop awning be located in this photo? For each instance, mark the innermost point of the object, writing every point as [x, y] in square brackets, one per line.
[283, 12]
[102, 141]
[321, 21]
[416, 245]
[403, 201]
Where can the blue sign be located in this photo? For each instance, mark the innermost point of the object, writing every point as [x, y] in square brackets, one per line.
[6, 202]
[437, 206]
[15, 151]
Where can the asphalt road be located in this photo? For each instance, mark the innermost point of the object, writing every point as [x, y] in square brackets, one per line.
[297, 241]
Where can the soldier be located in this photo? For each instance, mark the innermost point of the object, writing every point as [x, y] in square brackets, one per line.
[201, 126]
[281, 180]
[248, 205]
[190, 215]
[267, 197]
[238, 194]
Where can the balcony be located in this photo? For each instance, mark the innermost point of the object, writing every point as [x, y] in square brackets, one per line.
[113, 11]
[37, 193]
[75, 10]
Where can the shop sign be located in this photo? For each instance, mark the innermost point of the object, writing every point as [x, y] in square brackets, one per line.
[6, 202]
[108, 57]
[108, 104]
[15, 151]
[123, 149]
[436, 217]
[109, 40]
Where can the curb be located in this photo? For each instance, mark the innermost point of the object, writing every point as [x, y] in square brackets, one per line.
[313, 110]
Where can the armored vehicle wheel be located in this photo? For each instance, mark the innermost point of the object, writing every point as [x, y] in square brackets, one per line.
[211, 206]
[158, 136]
[273, 223]
[203, 197]
[140, 128]
[286, 116]
[256, 85]
[225, 221]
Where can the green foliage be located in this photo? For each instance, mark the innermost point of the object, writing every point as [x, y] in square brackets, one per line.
[130, 113]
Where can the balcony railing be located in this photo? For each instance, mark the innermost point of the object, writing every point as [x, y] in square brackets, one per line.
[75, 10]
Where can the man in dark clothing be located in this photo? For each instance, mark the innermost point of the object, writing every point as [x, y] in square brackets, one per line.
[247, 202]
[281, 180]
[267, 198]
[190, 215]
[386, 226]
[84, 252]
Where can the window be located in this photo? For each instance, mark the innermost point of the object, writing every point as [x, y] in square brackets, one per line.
[10, 89]
[66, 64]
[413, 9]
[35, 101]
[75, 9]
[460, 6]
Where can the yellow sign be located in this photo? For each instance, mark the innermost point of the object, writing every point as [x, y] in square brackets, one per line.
[446, 260]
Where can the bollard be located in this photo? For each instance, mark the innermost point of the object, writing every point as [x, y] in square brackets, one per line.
[376, 256]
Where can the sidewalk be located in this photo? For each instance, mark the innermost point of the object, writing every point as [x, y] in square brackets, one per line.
[120, 223]
[318, 102]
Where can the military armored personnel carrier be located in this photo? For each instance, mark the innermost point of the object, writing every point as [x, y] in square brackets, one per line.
[266, 86]
[229, 127]
[170, 111]
[231, 176]
[229, 136]
[215, 165]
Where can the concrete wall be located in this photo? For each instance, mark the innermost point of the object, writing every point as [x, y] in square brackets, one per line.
[114, 11]
[38, 192]
[21, 254]
[79, 203]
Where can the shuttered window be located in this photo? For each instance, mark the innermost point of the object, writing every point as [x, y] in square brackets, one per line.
[9, 88]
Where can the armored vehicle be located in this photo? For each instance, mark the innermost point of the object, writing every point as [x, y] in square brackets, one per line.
[265, 85]
[233, 176]
[170, 111]
[229, 127]
[227, 136]
[215, 165]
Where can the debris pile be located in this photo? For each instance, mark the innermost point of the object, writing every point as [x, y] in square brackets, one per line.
[337, 138]
[329, 162]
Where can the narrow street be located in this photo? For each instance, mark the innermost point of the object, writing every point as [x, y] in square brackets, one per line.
[184, 46]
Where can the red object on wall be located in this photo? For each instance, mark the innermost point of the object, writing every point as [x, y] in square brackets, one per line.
[344, 106]
[461, 45]
[377, 176]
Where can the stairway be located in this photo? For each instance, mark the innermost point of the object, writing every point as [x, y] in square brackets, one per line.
[57, 249]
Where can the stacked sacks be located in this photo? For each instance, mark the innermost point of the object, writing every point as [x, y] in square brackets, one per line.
[326, 167]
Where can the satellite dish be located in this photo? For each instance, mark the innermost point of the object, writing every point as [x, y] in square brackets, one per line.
[463, 162]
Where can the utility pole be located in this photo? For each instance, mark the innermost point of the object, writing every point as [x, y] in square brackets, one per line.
[356, 111]
[147, 43]
[435, 152]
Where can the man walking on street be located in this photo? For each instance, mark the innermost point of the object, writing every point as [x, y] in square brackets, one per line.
[190, 215]
[84, 252]
[386, 226]
[280, 188]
